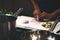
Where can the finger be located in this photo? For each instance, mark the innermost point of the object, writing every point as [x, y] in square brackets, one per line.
[37, 17]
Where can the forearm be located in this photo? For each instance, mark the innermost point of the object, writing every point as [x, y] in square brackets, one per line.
[35, 5]
[55, 12]
[36, 12]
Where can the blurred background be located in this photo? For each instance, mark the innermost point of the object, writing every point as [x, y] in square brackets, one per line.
[14, 5]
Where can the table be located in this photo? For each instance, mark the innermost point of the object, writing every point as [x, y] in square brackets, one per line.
[27, 22]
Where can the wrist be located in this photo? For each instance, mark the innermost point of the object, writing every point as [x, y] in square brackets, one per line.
[36, 9]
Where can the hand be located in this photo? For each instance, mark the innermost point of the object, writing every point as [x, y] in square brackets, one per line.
[36, 13]
[40, 16]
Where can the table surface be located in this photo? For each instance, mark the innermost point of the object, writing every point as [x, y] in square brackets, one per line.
[30, 23]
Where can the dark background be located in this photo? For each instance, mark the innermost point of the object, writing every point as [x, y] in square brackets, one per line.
[14, 5]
